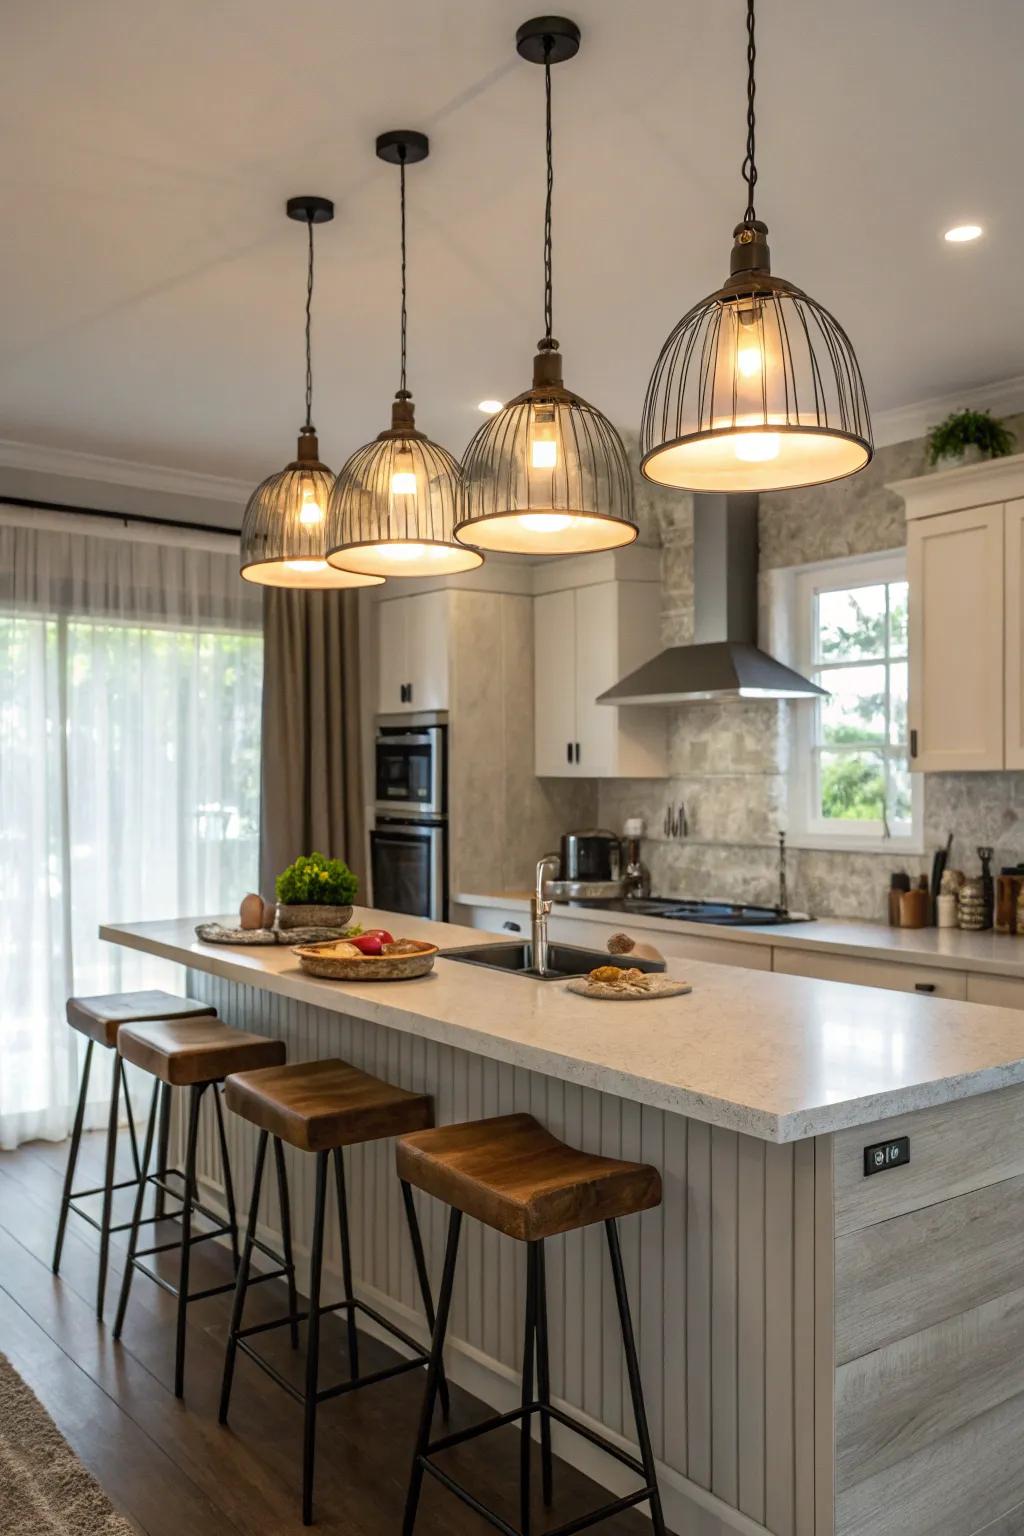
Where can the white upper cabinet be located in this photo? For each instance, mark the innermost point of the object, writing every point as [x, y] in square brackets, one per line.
[412, 650]
[587, 636]
[965, 567]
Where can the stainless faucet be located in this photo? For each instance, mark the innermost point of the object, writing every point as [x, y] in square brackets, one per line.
[540, 909]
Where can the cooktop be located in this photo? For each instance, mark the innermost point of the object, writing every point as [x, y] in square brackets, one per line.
[726, 913]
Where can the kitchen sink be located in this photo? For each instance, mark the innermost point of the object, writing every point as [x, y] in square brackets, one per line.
[563, 959]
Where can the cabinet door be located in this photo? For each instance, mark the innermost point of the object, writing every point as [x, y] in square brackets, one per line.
[597, 668]
[1014, 599]
[554, 661]
[955, 570]
[427, 650]
[392, 631]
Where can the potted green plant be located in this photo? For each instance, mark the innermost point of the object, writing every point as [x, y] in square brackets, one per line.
[965, 437]
[315, 892]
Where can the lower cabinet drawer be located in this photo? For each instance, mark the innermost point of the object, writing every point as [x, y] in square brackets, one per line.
[889, 974]
[507, 921]
[997, 991]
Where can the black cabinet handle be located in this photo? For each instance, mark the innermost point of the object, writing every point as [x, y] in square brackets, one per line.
[568, 751]
[924, 986]
[512, 927]
[577, 751]
[913, 743]
[408, 693]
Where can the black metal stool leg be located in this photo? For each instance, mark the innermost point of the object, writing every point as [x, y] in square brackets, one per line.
[229, 1186]
[195, 1098]
[543, 1372]
[132, 1138]
[242, 1280]
[346, 1265]
[529, 1349]
[424, 1282]
[108, 1183]
[140, 1195]
[163, 1147]
[69, 1172]
[286, 1236]
[444, 1301]
[313, 1339]
[633, 1371]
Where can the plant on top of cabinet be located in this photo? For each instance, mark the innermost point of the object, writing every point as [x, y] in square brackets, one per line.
[951, 442]
[315, 892]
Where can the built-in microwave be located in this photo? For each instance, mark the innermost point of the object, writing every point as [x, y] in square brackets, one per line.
[410, 769]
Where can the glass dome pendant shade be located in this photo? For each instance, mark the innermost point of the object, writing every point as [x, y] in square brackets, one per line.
[392, 511]
[284, 526]
[548, 474]
[758, 387]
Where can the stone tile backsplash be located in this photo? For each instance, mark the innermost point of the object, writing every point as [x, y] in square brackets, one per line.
[728, 761]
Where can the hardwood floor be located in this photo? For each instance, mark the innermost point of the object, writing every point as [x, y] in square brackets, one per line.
[169, 1465]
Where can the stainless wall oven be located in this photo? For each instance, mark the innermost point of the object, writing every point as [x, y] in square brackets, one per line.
[409, 841]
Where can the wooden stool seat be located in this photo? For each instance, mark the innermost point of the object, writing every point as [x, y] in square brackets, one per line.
[319, 1105]
[100, 1018]
[512, 1174]
[181, 1053]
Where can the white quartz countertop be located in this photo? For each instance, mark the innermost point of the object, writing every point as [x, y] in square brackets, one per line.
[779, 1057]
[996, 954]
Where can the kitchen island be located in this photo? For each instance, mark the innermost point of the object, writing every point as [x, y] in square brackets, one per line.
[823, 1352]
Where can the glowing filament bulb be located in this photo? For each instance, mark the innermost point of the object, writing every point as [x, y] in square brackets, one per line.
[544, 522]
[403, 473]
[756, 447]
[310, 511]
[544, 438]
[748, 360]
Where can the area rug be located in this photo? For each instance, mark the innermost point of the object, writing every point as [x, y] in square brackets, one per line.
[44, 1489]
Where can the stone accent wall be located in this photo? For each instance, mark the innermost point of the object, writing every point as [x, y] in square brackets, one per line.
[728, 762]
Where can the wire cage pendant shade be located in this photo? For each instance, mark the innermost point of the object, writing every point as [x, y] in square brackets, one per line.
[393, 508]
[758, 387]
[284, 526]
[548, 474]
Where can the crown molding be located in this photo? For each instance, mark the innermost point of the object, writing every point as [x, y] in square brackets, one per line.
[906, 422]
[34, 458]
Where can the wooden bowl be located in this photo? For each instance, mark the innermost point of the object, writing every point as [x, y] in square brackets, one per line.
[367, 967]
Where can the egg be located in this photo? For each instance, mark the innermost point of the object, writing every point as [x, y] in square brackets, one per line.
[250, 913]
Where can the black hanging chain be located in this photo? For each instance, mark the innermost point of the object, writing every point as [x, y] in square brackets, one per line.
[309, 313]
[548, 44]
[749, 164]
[401, 169]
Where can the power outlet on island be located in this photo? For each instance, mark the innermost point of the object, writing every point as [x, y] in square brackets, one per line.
[884, 1155]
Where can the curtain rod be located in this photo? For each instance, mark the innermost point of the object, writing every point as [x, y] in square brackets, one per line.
[119, 517]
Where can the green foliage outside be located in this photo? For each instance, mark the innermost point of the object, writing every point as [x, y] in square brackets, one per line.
[316, 880]
[969, 429]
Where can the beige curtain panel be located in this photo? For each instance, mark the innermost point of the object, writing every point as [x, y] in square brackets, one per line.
[311, 782]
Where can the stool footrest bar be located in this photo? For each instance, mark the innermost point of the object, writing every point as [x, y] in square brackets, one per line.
[460, 1436]
[632, 1462]
[604, 1513]
[468, 1498]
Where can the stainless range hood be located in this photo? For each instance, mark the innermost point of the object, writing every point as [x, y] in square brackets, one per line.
[724, 661]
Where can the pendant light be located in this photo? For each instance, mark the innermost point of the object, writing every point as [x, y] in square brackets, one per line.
[548, 474]
[284, 526]
[393, 508]
[758, 387]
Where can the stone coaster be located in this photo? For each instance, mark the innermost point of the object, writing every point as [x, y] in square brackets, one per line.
[217, 933]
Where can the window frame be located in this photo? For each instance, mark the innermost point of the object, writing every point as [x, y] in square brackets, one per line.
[808, 828]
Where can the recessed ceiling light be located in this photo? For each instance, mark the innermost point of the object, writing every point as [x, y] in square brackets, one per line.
[489, 407]
[961, 233]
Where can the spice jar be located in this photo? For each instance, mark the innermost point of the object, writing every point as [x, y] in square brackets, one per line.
[915, 905]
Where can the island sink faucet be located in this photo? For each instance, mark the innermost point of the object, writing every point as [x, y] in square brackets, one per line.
[540, 909]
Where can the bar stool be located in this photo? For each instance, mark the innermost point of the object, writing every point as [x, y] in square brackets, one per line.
[515, 1176]
[192, 1055]
[321, 1107]
[99, 1019]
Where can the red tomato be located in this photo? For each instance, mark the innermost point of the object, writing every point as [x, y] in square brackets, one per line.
[368, 943]
[377, 933]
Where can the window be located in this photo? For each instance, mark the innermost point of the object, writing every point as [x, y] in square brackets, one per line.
[851, 784]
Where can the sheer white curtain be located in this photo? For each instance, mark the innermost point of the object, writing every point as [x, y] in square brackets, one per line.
[130, 682]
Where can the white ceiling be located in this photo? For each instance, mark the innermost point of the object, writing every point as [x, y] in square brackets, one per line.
[152, 287]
